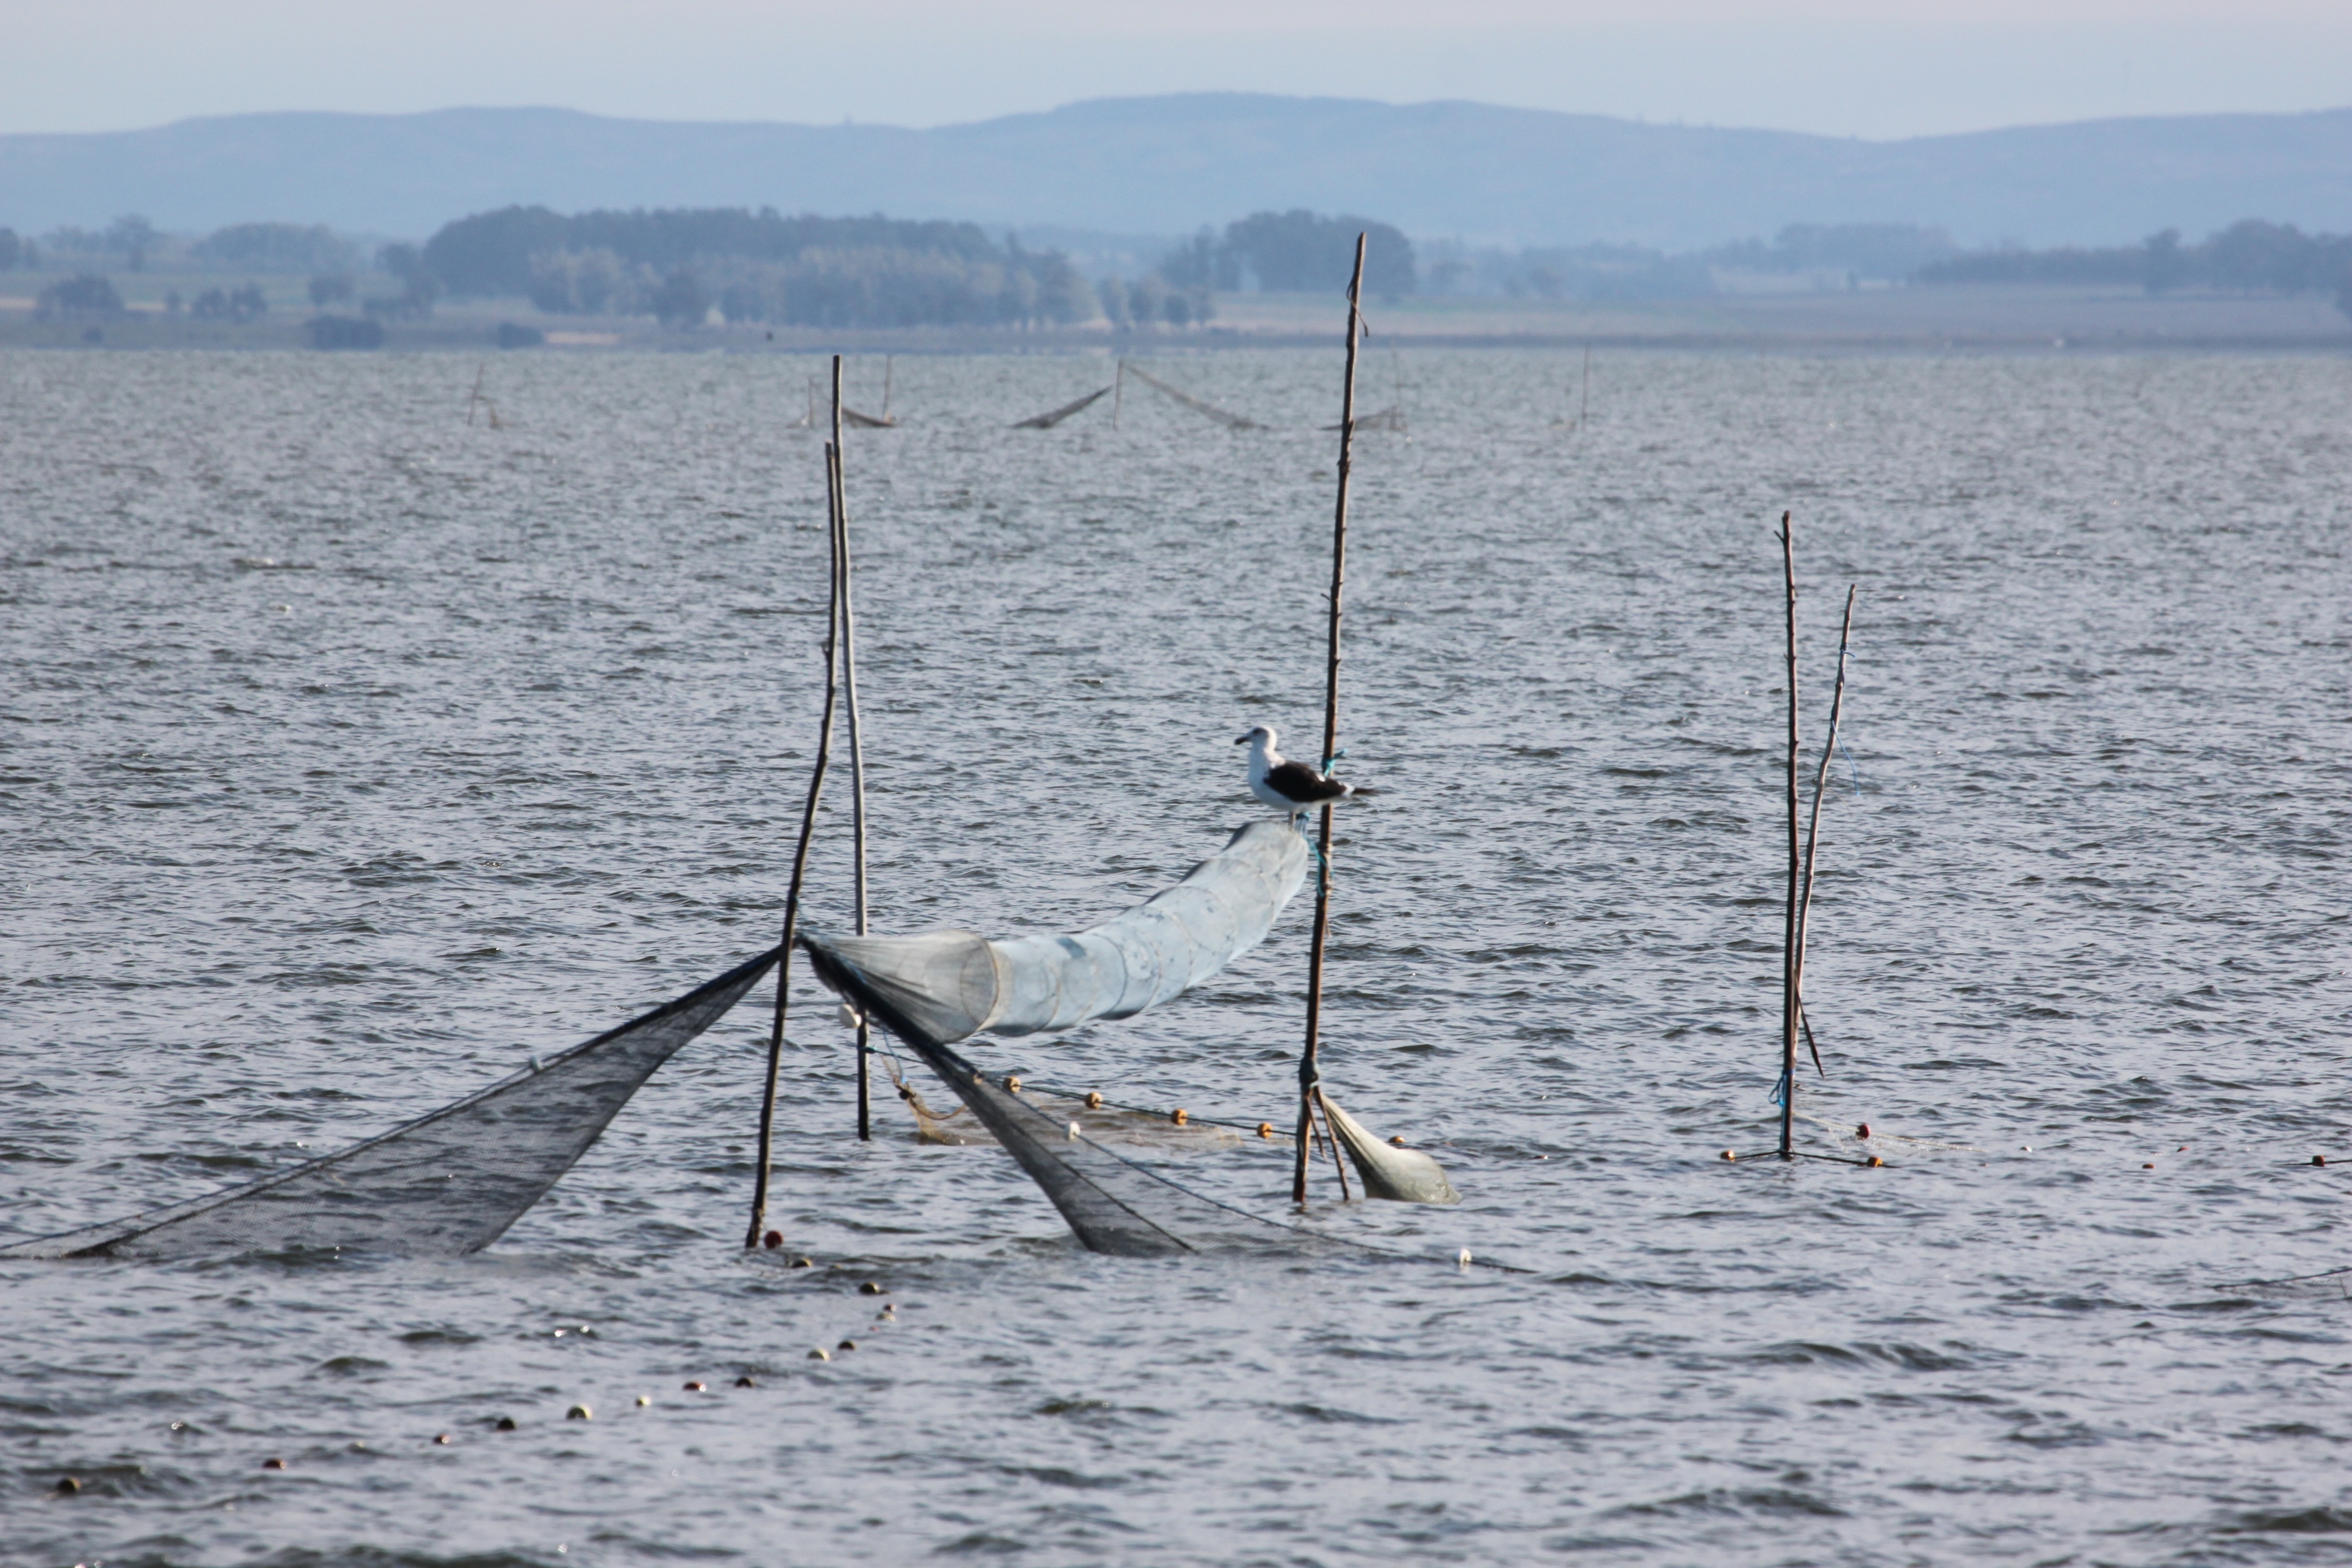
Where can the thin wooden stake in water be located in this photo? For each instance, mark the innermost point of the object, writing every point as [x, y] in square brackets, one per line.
[840, 510]
[1117, 391]
[800, 864]
[1788, 1004]
[1813, 829]
[1310, 1081]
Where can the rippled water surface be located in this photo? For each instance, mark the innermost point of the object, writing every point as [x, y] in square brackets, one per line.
[348, 753]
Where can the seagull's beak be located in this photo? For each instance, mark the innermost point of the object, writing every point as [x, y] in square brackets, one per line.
[1241, 740]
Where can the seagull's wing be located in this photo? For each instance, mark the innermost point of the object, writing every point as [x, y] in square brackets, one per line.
[1296, 781]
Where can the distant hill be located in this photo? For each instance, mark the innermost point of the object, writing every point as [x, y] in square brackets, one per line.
[1166, 165]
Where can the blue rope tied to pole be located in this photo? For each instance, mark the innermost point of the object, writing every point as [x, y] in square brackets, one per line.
[1300, 820]
[1780, 1091]
[1853, 773]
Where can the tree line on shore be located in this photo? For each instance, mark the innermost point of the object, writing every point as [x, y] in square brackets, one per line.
[131, 244]
[762, 267]
[2249, 257]
[682, 266]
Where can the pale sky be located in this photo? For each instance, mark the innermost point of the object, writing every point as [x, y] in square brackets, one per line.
[1890, 68]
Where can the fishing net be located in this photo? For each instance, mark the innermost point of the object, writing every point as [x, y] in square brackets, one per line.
[1053, 416]
[934, 989]
[1113, 1203]
[953, 984]
[1225, 416]
[443, 1185]
[1399, 1174]
[1389, 1170]
[1127, 1126]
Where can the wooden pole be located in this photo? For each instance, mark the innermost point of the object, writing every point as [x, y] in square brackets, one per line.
[840, 511]
[1813, 829]
[1310, 1081]
[1117, 390]
[800, 868]
[1788, 932]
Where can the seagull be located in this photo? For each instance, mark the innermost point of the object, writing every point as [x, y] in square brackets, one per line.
[1292, 788]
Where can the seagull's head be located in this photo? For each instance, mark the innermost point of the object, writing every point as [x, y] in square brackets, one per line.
[1259, 735]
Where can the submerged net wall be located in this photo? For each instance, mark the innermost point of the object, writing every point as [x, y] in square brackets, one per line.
[1124, 1126]
[2335, 1285]
[443, 1185]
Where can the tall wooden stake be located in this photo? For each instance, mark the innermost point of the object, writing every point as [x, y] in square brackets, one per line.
[1310, 1081]
[840, 511]
[1788, 1004]
[1813, 829]
[800, 865]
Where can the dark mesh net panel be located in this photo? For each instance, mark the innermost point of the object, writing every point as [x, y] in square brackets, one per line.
[444, 1185]
[1114, 1205]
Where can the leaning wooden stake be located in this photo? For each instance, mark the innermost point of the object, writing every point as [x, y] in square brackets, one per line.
[1813, 828]
[800, 865]
[1310, 1082]
[840, 511]
[1788, 1004]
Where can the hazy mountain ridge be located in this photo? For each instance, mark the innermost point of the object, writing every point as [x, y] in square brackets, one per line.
[1169, 164]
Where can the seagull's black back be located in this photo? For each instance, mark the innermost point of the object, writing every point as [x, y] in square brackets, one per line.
[1304, 785]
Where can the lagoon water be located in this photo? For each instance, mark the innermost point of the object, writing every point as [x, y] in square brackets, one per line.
[351, 752]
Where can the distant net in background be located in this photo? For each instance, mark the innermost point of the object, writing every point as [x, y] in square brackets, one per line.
[1053, 416]
[1225, 416]
[443, 1185]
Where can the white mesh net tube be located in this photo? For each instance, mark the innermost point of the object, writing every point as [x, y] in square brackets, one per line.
[953, 984]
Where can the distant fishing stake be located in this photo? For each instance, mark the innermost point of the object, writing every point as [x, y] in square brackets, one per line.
[1804, 845]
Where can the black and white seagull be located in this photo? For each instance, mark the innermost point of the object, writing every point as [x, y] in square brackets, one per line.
[1290, 787]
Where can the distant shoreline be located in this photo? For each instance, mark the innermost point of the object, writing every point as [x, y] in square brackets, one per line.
[1992, 319]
